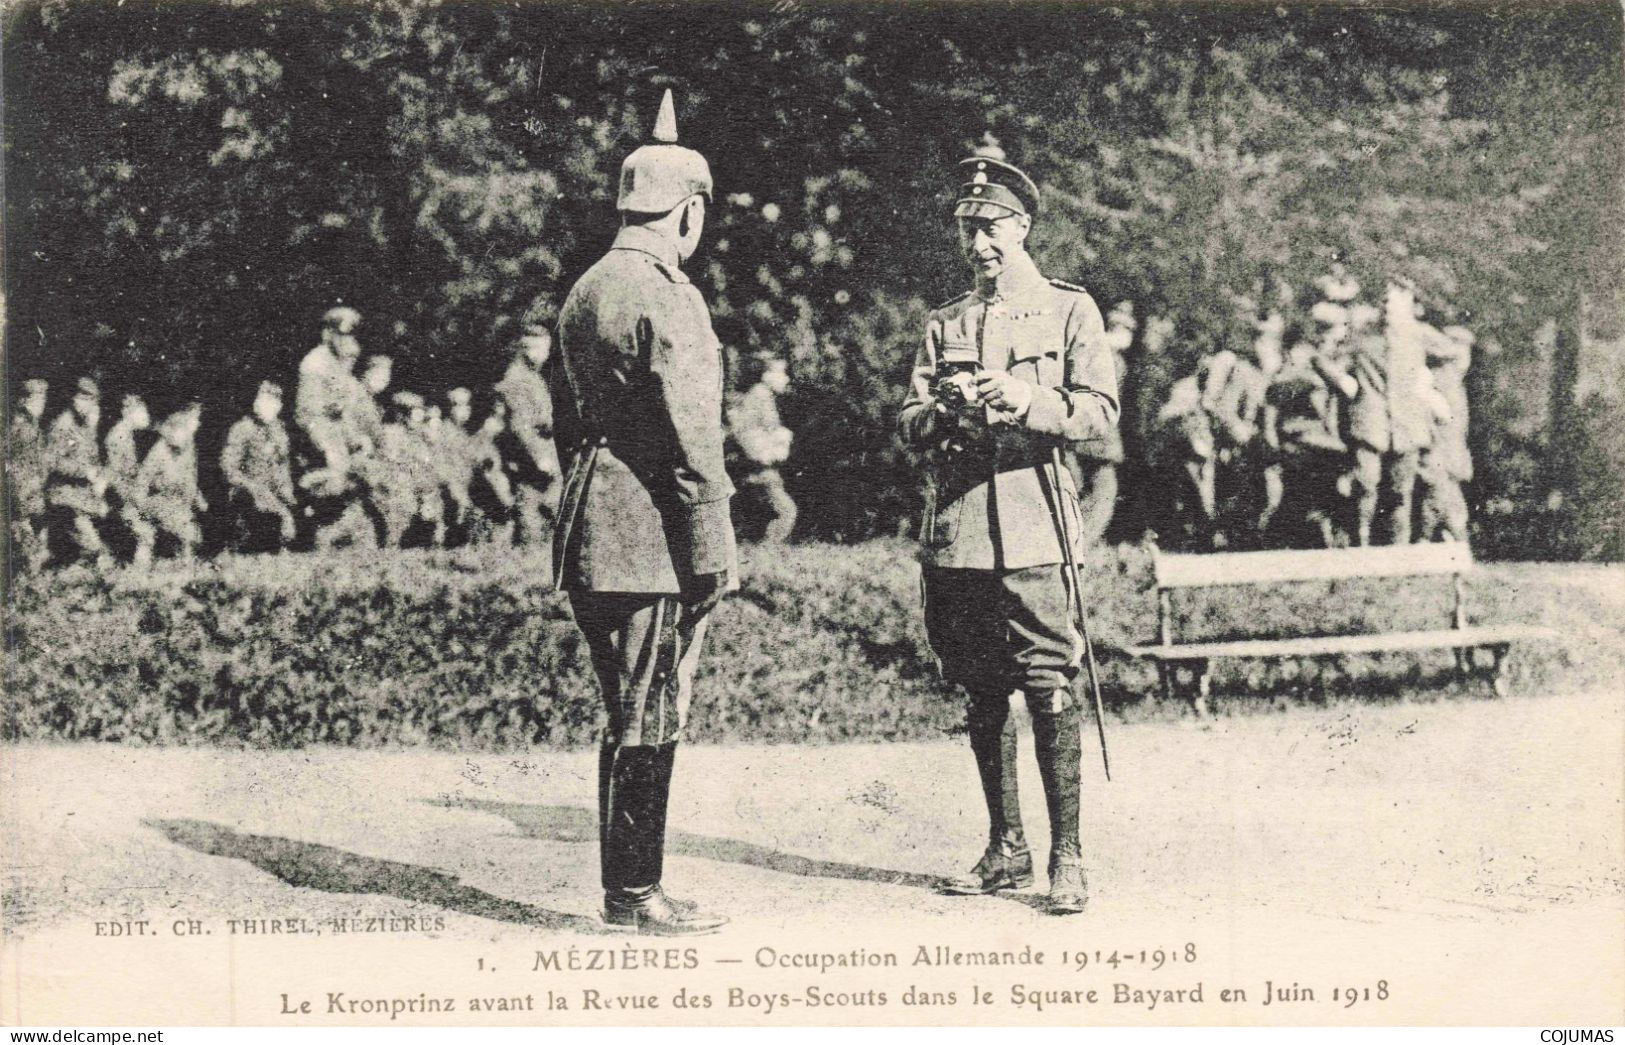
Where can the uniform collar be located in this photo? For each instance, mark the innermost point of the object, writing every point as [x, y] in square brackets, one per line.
[1020, 276]
[636, 237]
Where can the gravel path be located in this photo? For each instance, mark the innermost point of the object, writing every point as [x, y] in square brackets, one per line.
[1472, 820]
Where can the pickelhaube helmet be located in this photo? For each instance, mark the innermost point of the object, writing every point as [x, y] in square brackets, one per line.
[660, 175]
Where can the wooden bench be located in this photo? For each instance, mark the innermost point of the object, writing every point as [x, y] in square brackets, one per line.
[1178, 571]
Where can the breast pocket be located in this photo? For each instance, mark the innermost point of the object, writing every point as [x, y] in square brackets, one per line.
[1039, 364]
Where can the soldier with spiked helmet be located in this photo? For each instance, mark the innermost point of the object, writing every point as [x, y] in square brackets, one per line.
[644, 545]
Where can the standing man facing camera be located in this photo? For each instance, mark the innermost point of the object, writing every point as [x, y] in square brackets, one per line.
[645, 545]
[1008, 371]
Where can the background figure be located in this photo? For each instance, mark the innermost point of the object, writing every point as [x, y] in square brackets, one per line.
[762, 444]
[326, 386]
[527, 445]
[122, 462]
[259, 477]
[453, 468]
[1094, 462]
[494, 502]
[166, 489]
[1447, 463]
[344, 509]
[76, 486]
[1302, 458]
[26, 474]
[1233, 397]
[1182, 434]
[403, 464]
[1389, 420]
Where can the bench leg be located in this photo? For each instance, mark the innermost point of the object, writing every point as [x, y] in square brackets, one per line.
[1204, 687]
[1165, 681]
[1498, 663]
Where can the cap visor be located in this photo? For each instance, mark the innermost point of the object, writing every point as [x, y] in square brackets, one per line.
[982, 209]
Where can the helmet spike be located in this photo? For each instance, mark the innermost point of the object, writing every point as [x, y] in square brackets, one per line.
[666, 123]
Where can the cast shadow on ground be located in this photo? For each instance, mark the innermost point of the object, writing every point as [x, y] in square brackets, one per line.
[307, 865]
[572, 824]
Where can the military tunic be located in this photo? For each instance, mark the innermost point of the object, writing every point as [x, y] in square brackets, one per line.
[997, 613]
[989, 505]
[636, 341]
[647, 499]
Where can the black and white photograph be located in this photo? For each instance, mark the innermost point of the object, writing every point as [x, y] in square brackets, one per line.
[808, 513]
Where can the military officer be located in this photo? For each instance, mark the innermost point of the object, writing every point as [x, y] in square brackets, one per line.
[259, 480]
[76, 483]
[645, 546]
[1007, 372]
[26, 471]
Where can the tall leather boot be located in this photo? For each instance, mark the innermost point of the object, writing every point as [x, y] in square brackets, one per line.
[634, 847]
[1058, 739]
[1007, 863]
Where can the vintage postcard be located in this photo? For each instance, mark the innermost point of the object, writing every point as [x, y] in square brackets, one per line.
[799, 514]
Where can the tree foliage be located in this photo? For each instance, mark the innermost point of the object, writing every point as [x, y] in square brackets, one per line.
[189, 185]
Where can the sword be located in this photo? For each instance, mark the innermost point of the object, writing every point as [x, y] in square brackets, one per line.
[1075, 591]
[570, 502]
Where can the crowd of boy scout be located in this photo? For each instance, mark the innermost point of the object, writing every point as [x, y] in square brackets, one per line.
[1346, 427]
[363, 464]
[620, 452]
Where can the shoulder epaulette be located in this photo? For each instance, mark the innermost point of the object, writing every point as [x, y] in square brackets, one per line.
[951, 301]
[1064, 285]
[671, 272]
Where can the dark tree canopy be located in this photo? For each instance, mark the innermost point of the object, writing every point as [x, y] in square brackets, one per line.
[188, 185]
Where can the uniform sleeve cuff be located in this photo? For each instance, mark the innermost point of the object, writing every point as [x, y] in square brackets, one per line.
[705, 538]
[1047, 414]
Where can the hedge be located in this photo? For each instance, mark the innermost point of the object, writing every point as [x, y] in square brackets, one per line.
[824, 643]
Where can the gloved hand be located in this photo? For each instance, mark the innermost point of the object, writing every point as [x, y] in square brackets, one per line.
[704, 591]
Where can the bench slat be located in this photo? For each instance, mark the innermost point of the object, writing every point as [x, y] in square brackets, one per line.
[1182, 570]
[1450, 638]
